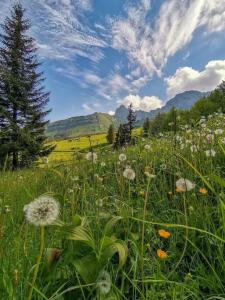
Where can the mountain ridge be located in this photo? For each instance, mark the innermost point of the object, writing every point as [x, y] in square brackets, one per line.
[99, 122]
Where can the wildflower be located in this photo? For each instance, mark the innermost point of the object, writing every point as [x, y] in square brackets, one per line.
[161, 254]
[42, 211]
[104, 282]
[103, 164]
[184, 185]
[210, 152]
[142, 193]
[163, 233]
[218, 131]
[91, 156]
[129, 174]
[210, 138]
[222, 141]
[7, 209]
[122, 157]
[147, 147]
[203, 191]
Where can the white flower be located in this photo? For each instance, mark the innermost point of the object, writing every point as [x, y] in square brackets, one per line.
[223, 141]
[91, 156]
[104, 282]
[210, 137]
[103, 164]
[129, 174]
[184, 185]
[203, 125]
[147, 147]
[42, 211]
[178, 138]
[218, 131]
[122, 157]
[210, 152]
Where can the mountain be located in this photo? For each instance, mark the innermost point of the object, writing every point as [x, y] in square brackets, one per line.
[183, 100]
[82, 125]
[99, 122]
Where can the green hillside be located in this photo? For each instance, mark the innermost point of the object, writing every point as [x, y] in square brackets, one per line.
[82, 125]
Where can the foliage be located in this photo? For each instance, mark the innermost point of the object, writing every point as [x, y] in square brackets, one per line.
[22, 95]
[111, 134]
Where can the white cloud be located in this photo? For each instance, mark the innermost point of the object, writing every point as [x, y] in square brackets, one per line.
[150, 47]
[147, 103]
[189, 79]
[111, 113]
[86, 107]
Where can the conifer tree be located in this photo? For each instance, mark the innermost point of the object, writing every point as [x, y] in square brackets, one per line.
[22, 95]
[146, 127]
[111, 134]
[131, 118]
[122, 136]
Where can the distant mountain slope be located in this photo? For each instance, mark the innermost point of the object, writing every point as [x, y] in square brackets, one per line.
[183, 100]
[99, 122]
[82, 125]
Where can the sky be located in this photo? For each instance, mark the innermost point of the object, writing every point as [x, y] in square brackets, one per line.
[99, 54]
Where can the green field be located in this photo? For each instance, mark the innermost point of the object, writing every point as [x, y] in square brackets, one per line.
[120, 237]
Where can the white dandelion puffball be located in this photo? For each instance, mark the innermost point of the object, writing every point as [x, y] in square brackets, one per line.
[42, 211]
[218, 131]
[210, 152]
[122, 157]
[104, 282]
[147, 147]
[129, 174]
[185, 185]
[91, 156]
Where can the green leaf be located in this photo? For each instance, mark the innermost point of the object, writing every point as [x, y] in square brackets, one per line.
[110, 224]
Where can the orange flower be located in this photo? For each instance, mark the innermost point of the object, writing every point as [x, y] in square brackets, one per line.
[163, 233]
[178, 190]
[203, 191]
[161, 254]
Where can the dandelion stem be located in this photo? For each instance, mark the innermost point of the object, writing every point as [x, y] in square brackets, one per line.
[38, 262]
[142, 237]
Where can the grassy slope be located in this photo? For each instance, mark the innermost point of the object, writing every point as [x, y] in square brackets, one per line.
[97, 123]
[195, 267]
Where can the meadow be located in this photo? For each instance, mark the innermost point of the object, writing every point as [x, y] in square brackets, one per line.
[144, 222]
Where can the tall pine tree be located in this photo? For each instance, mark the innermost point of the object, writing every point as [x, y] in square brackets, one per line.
[110, 134]
[22, 95]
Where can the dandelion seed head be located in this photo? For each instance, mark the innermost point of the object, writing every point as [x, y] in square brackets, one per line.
[129, 174]
[184, 185]
[91, 156]
[104, 282]
[122, 157]
[42, 211]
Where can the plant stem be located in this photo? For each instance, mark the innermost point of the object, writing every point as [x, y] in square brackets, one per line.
[142, 237]
[38, 262]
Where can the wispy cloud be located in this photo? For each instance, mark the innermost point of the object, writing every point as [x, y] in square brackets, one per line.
[149, 47]
[60, 29]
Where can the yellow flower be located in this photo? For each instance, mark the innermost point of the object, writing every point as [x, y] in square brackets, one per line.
[203, 191]
[178, 190]
[163, 233]
[161, 254]
[142, 193]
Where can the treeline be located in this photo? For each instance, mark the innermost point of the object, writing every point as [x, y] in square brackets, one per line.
[168, 121]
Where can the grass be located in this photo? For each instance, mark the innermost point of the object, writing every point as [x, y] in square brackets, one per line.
[105, 245]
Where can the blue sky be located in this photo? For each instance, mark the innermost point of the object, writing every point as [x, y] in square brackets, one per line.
[98, 54]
